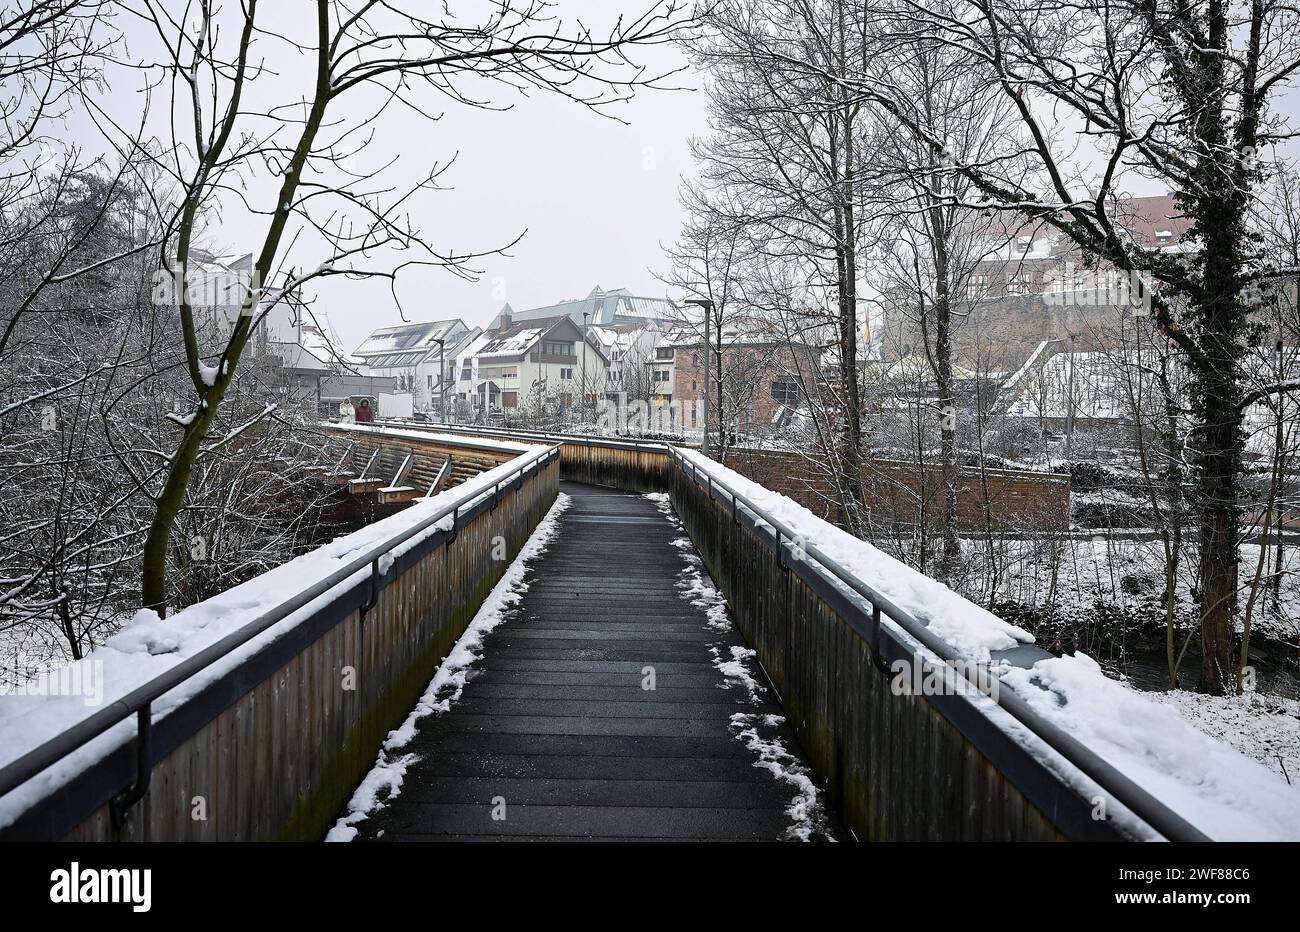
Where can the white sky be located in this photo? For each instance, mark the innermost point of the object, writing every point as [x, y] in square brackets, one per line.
[595, 198]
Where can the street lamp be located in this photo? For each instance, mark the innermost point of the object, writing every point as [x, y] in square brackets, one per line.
[707, 306]
[442, 374]
[583, 394]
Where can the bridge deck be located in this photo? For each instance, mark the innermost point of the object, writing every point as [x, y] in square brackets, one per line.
[557, 724]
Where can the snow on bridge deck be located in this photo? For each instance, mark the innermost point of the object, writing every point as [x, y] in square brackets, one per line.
[556, 735]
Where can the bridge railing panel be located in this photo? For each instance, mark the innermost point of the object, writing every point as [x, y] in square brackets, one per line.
[270, 744]
[964, 763]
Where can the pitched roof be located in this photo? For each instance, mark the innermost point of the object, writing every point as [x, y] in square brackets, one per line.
[408, 337]
[601, 308]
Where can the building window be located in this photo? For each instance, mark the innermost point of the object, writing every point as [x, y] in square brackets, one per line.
[566, 374]
[557, 349]
[663, 352]
[1017, 284]
[509, 399]
[785, 391]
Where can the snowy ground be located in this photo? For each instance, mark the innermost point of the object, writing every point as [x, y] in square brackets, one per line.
[384, 781]
[1126, 573]
[1266, 728]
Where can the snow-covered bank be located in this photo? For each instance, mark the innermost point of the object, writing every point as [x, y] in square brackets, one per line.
[148, 646]
[384, 781]
[1222, 792]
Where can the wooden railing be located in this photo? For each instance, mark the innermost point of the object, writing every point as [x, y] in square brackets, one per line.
[631, 465]
[273, 747]
[958, 764]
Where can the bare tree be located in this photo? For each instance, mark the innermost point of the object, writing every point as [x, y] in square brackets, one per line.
[1180, 93]
[365, 51]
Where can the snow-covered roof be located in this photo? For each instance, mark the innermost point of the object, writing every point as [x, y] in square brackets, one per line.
[324, 346]
[1096, 379]
[511, 341]
[395, 343]
[600, 308]
[914, 367]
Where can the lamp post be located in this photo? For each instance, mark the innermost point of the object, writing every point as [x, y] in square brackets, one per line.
[442, 374]
[707, 306]
[583, 394]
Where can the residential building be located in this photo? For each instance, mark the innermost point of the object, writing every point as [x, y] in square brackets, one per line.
[298, 343]
[533, 366]
[410, 354]
[629, 346]
[765, 377]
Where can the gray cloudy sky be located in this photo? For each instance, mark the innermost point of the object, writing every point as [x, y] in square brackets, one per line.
[596, 197]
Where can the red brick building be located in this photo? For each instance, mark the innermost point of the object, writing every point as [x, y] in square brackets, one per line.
[763, 378]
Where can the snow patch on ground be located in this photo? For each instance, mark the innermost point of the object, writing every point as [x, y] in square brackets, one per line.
[1223, 793]
[1264, 728]
[806, 810]
[384, 781]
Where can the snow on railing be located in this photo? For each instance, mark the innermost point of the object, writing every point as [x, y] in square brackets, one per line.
[140, 672]
[1175, 779]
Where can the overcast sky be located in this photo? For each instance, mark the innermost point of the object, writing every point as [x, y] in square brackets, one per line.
[595, 198]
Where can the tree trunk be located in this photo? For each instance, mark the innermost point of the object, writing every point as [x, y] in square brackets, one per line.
[1218, 443]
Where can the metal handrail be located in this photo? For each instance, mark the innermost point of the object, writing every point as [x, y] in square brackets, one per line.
[523, 435]
[19, 771]
[1138, 800]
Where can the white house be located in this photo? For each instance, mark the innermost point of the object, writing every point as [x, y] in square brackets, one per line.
[410, 353]
[532, 366]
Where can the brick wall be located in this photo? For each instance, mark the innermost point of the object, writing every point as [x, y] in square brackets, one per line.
[1019, 500]
[750, 370]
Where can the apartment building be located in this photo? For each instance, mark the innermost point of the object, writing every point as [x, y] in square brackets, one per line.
[534, 365]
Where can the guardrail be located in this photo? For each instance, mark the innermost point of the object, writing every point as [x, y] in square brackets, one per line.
[538, 436]
[139, 700]
[622, 463]
[1060, 802]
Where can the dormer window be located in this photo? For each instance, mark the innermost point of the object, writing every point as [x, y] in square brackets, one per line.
[1164, 236]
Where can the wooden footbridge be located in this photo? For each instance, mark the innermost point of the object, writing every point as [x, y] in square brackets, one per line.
[620, 697]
